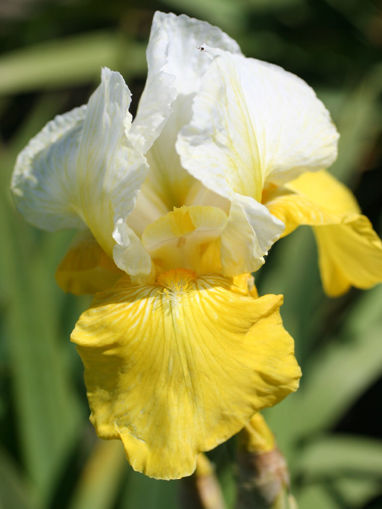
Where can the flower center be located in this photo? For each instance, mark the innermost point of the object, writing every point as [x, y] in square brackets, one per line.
[177, 280]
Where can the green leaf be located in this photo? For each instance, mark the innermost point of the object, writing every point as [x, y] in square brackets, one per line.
[340, 455]
[314, 496]
[69, 61]
[357, 492]
[366, 313]
[15, 493]
[350, 466]
[100, 479]
[142, 492]
[335, 378]
[293, 272]
[358, 124]
[48, 415]
[275, 5]
[228, 15]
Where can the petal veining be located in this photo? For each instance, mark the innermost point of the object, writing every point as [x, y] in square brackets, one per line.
[80, 171]
[43, 173]
[110, 171]
[178, 367]
[254, 122]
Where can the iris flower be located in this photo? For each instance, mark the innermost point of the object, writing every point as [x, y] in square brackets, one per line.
[175, 209]
[258, 132]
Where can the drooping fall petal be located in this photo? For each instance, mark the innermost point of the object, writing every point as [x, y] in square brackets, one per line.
[350, 252]
[179, 366]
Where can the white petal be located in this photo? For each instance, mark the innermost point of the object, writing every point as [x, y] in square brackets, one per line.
[129, 253]
[44, 170]
[79, 170]
[110, 171]
[175, 44]
[254, 122]
[250, 232]
[175, 66]
[166, 177]
[154, 108]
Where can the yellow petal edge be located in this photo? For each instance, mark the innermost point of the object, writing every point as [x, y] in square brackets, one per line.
[350, 251]
[179, 366]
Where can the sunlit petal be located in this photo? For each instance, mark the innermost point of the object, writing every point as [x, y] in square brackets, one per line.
[129, 253]
[175, 68]
[350, 252]
[177, 367]
[174, 47]
[110, 171]
[250, 232]
[254, 122]
[44, 171]
[349, 255]
[79, 171]
[166, 178]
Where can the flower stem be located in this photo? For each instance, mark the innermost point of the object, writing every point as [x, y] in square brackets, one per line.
[263, 477]
[202, 489]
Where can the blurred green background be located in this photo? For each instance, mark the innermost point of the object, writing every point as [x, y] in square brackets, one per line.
[51, 53]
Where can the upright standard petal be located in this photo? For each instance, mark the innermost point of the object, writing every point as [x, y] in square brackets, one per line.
[175, 66]
[166, 179]
[79, 171]
[179, 366]
[254, 122]
[174, 48]
[350, 252]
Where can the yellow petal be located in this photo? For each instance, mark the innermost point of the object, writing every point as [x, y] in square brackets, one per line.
[187, 237]
[312, 199]
[179, 366]
[350, 252]
[349, 255]
[257, 437]
[86, 268]
[325, 191]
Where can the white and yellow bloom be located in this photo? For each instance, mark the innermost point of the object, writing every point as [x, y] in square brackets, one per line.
[179, 352]
[259, 133]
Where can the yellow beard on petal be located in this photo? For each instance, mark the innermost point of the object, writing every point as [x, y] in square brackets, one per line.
[177, 367]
